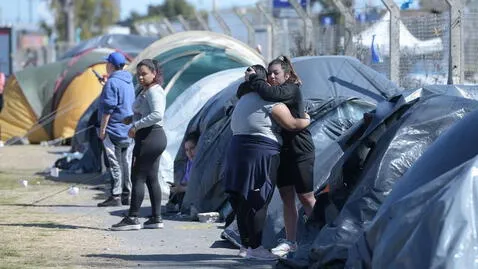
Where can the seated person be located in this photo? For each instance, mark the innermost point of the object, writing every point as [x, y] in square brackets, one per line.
[178, 191]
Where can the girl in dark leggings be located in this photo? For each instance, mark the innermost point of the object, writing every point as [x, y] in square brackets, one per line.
[251, 162]
[150, 142]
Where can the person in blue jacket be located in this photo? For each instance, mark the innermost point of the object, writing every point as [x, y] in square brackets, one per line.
[115, 104]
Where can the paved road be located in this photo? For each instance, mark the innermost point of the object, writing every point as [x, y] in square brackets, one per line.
[181, 244]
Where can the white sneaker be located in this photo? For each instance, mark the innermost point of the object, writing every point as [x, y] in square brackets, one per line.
[242, 252]
[260, 253]
[285, 246]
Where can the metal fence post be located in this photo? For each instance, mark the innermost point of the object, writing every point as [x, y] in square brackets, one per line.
[349, 46]
[184, 23]
[455, 57]
[225, 28]
[251, 39]
[394, 40]
[274, 30]
[168, 25]
[201, 21]
[308, 26]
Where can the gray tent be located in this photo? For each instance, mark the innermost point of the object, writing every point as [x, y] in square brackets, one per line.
[326, 80]
[431, 213]
[377, 158]
[132, 45]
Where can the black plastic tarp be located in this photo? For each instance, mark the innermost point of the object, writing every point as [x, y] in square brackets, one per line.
[368, 170]
[429, 219]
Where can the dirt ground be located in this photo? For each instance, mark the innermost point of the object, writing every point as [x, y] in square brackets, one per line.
[34, 234]
[44, 226]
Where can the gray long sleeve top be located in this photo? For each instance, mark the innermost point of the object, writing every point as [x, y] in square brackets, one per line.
[149, 108]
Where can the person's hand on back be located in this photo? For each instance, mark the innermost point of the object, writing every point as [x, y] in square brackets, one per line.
[248, 73]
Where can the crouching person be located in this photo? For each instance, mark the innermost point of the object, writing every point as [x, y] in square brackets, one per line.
[178, 191]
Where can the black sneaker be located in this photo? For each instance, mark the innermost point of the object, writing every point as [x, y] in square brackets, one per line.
[111, 201]
[153, 223]
[127, 224]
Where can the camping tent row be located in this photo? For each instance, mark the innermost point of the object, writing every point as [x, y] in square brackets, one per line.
[186, 58]
[361, 161]
[43, 103]
[47, 102]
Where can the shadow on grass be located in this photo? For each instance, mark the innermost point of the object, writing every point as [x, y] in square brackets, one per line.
[37, 205]
[66, 177]
[49, 225]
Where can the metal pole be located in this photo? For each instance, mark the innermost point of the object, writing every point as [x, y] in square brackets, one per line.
[455, 68]
[201, 21]
[274, 28]
[68, 9]
[225, 28]
[184, 23]
[308, 26]
[168, 25]
[349, 46]
[394, 40]
[251, 39]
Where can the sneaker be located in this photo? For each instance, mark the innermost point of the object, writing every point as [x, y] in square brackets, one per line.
[285, 247]
[111, 201]
[260, 253]
[127, 224]
[242, 252]
[153, 223]
[232, 235]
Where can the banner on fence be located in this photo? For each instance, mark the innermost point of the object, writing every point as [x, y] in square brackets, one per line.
[283, 9]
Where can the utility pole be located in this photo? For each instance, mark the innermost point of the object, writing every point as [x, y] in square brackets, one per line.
[68, 7]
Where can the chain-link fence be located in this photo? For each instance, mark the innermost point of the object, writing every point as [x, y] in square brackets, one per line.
[423, 51]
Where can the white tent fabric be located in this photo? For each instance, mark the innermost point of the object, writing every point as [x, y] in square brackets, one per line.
[408, 42]
[183, 109]
[233, 47]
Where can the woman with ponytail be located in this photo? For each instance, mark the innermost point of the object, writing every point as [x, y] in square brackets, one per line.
[150, 142]
[252, 160]
[297, 155]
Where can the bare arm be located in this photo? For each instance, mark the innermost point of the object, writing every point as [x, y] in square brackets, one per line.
[281, 114]
[104, 122]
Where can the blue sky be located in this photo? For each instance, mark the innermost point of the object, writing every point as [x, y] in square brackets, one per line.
[12, 11]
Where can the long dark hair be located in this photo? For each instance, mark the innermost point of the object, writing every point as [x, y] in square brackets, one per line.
[261, 71]
[154, 66]
[288, 68]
